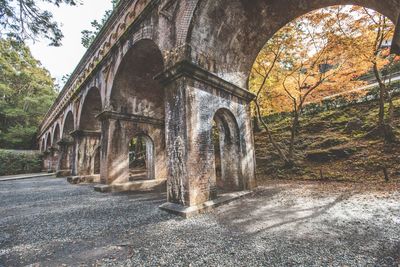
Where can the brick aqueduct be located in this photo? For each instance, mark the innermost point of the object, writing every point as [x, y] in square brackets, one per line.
[168, 71]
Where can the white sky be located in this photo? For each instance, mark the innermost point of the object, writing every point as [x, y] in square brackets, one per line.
[72, 19]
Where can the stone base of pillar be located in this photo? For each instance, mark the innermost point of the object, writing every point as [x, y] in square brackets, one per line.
[136, 186]
[63, 173]
[87, 179]
[188, 212]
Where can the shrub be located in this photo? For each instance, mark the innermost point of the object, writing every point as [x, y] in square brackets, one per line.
[19, 162]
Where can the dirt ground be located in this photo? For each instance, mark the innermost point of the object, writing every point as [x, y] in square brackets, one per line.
[47, 222]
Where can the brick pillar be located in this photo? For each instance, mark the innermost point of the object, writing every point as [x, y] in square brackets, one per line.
[66, 147]
[114, 160]
[193, 98]
[55, 157]
[47, 160]
[87, 143]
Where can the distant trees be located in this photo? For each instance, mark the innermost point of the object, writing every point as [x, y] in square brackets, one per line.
[26, 93]
[24, 19]
[320, 54]
[88, 36]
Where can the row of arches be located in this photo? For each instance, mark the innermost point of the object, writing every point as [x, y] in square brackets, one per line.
[226, 147]
[192, 125]
[132, 135]
[130, 140]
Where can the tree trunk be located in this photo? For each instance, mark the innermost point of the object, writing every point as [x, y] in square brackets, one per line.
[283, 157]
[256, 125]
[385, 130]
[391, 110]
[386, 174]
[382, 94]
[294, 131]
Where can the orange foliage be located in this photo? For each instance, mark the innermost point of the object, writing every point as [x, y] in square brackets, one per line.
[320, 54]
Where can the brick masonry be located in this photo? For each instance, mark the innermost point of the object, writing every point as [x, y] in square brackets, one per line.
[169, 71]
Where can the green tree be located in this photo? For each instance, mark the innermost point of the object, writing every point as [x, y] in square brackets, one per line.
[26, 93]
[23, 19]
[88, 36]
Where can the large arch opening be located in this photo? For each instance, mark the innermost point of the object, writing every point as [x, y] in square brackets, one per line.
[328, 61]
[48, 141]
[48, 151]
[57, 134]
[92, 106]
[69, 126]
[226, 38]
[89, 149]
[134, 90]
[67, 157]
[43, 145]
[56, 137]
[137, 102]
[248, 25]
[226, 141]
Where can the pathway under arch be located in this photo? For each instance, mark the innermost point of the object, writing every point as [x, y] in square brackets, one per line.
[137, 102]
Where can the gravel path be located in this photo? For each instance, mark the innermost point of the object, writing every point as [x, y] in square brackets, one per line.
[47, 222]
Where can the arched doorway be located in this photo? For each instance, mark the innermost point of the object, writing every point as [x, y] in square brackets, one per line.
[55, 151]
[141, 158]
[89, 134]
[43, 145]
[57, 134]
[66, 144]
[137, 102]
[48, 141]
[226, 139]
[48, 154]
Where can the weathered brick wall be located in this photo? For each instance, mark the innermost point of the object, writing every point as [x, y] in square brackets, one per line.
[117, 134]
[204, 51]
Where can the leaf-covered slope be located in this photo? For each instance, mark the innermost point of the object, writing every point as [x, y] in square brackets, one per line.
[333, 146]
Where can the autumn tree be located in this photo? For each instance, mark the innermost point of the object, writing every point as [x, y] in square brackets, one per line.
[310, 58]
[264, 76]
[378, 55]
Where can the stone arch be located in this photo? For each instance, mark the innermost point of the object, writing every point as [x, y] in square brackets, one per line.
[134, 89]
[53, 157]
[56, 134]
[88, 134]
[43, 145]
[48, 141]
[135, 105]
[68, 124]
[91, 107]
[226, 36]
[230, 178]
[66, 162]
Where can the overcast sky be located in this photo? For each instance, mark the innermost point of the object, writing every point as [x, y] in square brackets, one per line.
[63, 60]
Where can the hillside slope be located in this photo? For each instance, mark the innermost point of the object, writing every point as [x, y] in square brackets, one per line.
[332, 146]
